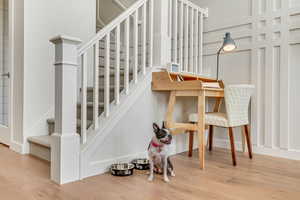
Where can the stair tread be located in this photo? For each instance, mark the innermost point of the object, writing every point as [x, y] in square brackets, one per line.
[122, 70]
[41, 140]
[91, 104]
[112, 87]
[78, 122]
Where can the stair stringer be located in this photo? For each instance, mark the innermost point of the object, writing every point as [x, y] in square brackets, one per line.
[97, 138]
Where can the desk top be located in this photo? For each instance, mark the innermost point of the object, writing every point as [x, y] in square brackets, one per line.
[166, 81]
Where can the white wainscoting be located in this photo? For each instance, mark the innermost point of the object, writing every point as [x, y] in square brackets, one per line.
[267, 33]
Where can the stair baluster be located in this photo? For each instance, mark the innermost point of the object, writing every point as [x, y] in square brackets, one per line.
[187, 35]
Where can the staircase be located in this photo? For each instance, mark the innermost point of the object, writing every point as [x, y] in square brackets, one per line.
[40, 145]
[118, 57]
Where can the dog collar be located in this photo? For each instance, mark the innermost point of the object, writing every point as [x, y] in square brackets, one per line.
[156, 145]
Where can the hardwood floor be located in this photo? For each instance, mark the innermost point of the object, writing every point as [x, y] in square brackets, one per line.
[263, 178]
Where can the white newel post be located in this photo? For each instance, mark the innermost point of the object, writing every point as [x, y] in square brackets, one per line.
[162, 36]
[65, 144]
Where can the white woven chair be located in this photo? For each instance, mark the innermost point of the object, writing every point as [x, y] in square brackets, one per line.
[237, 98]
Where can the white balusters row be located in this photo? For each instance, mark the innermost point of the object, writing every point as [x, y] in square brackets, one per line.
[123, 35]
[186, 22]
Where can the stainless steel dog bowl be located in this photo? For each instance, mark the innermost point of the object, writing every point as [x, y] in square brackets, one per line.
[122, 169]
[141, 164]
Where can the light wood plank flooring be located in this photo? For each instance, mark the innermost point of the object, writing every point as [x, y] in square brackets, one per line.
[27, 178]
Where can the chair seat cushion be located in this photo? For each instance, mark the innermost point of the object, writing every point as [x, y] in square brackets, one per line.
[215, 119]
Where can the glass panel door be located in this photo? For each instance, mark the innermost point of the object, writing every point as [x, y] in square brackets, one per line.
[4, 72]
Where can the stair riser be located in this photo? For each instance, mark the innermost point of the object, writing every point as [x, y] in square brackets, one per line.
[89, 112]
[51, 129]
[102, 51]
[112, 80]
[112, 76]
[90, 94]
[113, 54]
[39, 151]
[102, 44]
[122, 61]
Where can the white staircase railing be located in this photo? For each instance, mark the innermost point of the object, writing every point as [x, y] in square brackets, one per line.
[126, 23]
[125, 44]
[186, 28]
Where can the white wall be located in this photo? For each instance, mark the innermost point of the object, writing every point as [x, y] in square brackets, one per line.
[43, 20]
[267, 34]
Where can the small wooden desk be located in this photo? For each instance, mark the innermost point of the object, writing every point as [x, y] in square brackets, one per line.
[189, 86]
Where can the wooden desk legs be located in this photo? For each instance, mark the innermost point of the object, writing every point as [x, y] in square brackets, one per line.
[201, 128]
[200, 123]
[171, 105]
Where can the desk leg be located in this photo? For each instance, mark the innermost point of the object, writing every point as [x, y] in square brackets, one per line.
[169, 116]
[201, 128]
[218, 104]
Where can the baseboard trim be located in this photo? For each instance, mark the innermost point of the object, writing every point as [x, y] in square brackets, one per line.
[101, 167]
[17, 147]
[274, 152]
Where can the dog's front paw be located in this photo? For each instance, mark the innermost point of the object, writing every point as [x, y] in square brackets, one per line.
[166, 179]
[150, 178]
[173, 174]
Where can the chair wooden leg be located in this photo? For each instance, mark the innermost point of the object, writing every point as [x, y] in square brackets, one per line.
[248, 139]
[211, 135]
[232, 145]
[191, 142]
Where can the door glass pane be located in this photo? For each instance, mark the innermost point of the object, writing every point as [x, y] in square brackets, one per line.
[4, 80]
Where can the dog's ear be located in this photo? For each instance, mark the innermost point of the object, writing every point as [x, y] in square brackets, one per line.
[163, 124]
[155, 128]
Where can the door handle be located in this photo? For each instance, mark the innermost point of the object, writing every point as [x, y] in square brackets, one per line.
[7, 75]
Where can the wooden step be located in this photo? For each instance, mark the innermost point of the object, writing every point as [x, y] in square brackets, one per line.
[112, 71]
[90, 110]
[90, 93]
[112, 43]
[122, 70]
[39, 146]
[51, 125]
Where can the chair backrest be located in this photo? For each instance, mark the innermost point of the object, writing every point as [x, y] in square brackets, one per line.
[237, 99]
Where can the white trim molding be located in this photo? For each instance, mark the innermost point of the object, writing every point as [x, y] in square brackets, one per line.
[17, 147]
[291, 154]
[101, 167]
